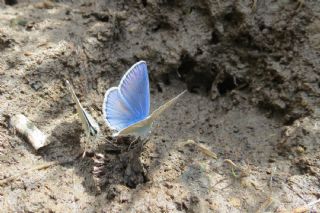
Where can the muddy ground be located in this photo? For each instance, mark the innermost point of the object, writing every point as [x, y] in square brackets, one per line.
[252, 72]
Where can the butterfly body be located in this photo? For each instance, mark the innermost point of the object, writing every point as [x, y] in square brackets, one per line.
[126, 107]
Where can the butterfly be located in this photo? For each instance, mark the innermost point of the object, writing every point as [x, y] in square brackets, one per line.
[90, 126]
[126, 107]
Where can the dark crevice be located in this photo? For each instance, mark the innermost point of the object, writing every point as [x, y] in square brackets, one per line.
[197, 78]
[187, 65]
[165, 78]
[215, 38]
[144, 2]
[159, 87]
[233, 16]
[162, 25]
[199, 82]
[10, 2]
[228, 84]
[245, 39]
[289, 119]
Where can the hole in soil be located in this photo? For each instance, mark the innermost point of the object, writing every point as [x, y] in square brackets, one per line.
[261, 27]
[187, 64]
[159, 88]
[226, 85]
[199, 51]
[144, 3]
[165, 78]
[290, 119]
[197, 81]
[214, 38]
[244, 40]
[233, 16]
[161, 25]
[10, 2]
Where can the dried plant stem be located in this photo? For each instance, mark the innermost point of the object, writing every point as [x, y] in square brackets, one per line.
[306, 207]
[202, 148]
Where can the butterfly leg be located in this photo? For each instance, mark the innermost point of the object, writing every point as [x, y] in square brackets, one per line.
[145, 140]
[85, 152]
[132, 142]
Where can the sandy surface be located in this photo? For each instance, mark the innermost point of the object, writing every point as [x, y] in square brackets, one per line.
[252, 73]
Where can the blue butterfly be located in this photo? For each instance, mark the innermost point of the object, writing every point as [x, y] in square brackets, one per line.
[126, 107]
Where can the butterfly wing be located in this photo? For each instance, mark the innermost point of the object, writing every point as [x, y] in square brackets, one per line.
[130, 102]
[90, 126]
[93, 126]
[134, 90]
[139, 129]
[116, 113]
[156, 113]
[142, 128]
